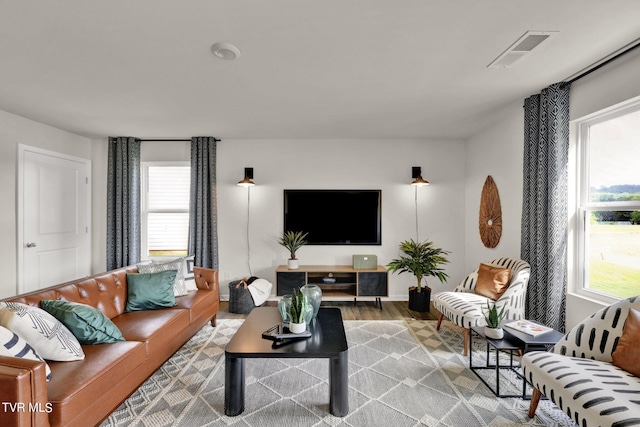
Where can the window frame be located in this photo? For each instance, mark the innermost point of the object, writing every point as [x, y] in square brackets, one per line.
[145, 211]
[582, 203]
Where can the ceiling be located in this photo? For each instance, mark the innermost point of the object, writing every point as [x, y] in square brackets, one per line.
[308, 69]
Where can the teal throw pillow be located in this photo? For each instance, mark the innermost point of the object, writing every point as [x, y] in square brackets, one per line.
[88, 324]
[149, 291]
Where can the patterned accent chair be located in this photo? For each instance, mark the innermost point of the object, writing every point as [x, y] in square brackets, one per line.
[465, 308]
[577, 374]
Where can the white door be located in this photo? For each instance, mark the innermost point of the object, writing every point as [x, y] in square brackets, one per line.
[54, 214]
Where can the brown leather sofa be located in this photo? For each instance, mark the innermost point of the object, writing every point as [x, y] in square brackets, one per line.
[85, 392]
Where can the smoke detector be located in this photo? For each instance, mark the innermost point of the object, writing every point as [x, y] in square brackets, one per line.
[521, 48]
[225, 51]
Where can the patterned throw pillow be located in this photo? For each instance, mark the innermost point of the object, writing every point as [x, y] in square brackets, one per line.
[50, 338]
[157, 266]
[13, 346]
[184, 283]
[189, 278]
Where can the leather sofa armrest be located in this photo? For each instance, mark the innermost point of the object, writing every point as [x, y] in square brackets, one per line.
[206, 279]
[23, 393]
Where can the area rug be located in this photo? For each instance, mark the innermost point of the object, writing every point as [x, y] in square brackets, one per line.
[400, 374]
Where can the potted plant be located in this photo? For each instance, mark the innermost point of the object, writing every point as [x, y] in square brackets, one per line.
[492, 329]
[293, 240]
[422, 259]
[299, 312]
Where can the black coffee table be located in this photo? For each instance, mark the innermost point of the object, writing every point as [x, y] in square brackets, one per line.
[327, 340]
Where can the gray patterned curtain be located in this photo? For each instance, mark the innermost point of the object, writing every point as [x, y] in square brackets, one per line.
[123, 202]
[544, 205]
[203, 217]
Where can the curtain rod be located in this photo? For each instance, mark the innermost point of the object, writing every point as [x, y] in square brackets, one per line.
[173, 140]
[635, 44]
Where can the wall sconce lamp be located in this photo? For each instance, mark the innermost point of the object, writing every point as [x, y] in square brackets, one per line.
[416, 174]
[247, 182]
[248, 176]
[418, 181]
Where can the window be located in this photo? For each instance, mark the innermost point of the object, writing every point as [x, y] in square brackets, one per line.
[609, 204]
[165, 206]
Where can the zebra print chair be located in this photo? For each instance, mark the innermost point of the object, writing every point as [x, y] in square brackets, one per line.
[465, 308]
[577, 374]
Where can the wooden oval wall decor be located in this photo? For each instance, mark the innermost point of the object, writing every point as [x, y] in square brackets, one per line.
[490, 222]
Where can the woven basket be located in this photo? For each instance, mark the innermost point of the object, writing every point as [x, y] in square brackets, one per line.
[240, 299]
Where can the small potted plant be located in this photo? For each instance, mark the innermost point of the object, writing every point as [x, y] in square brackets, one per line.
[493, 318]
[293, 240]
[299, 312]
[421, 259]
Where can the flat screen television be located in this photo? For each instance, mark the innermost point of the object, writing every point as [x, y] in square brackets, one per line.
[335, 217]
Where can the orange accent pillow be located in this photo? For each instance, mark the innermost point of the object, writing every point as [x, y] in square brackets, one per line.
[627, 352]
[492, 281]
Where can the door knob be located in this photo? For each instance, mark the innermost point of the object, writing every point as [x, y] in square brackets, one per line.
[31, 245]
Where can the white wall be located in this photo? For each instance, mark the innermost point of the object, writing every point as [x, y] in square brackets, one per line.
[615, 83]
[496, 151]
[99, 150]
[16, 130]
[317, 164]
[339, 164]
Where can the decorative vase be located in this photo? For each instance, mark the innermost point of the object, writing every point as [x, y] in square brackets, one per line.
[297, 328]
[308, 314]
[292, 263]
[314, 297]
[493, 333]
[283, 307]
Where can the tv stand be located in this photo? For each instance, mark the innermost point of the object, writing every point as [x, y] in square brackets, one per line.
[336, 281]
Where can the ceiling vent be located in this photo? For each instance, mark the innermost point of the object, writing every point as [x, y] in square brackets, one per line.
[522, 47]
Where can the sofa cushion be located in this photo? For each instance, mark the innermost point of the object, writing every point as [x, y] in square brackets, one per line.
[149, 291]
[14, 346]
[77, 386]
[86, 323]
[50, 338]
[463, 308]
[492, 281]
[156, 328]
[199, 304]
[627, 352]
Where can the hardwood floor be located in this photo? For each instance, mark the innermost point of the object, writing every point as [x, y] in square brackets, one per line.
[363, 310]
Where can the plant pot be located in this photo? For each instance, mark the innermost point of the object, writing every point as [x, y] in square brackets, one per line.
[493, 333]
[419, 301]
[297, 328]
[292, 263]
